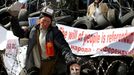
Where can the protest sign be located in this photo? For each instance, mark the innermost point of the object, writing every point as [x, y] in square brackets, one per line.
[118, 41]
[32, 21]
[3, 38]
[14, 56]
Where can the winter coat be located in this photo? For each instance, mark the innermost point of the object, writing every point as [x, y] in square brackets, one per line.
[62, 50]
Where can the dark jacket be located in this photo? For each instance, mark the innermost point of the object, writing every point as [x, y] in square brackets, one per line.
[62, 50]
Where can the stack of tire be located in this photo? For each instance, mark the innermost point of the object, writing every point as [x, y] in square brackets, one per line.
[102, 22]
[5, 17]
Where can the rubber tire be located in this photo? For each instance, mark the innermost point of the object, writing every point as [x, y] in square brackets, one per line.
[83, 23]
[7, 26]
[21, 23]
[65, 20]
[23, 15]
[127, 18]
[112, 17]
[35, 14]
[4, 16]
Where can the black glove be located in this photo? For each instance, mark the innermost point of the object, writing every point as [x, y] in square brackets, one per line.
[80, 60]
[69, 58]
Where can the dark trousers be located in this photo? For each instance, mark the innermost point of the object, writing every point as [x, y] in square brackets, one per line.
[47, 67]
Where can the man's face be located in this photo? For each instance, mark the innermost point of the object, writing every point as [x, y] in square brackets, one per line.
[45, 22]
[75, 69]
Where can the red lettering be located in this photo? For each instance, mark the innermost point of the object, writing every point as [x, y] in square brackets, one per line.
[80, 36]
[112, 50]
[123, 37]
[73, 35]
[82, 49]
[63, 31]
[91, 38]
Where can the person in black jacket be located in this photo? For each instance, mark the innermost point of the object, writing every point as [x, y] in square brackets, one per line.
[47, 50]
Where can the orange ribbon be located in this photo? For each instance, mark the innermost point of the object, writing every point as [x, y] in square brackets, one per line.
[49, 49]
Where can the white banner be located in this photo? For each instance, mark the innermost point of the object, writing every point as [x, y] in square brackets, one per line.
[14, 56]
[3, 38]
[118, 41]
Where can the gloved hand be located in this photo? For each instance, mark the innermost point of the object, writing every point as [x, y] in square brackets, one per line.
[72, 58]
[69, 58]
